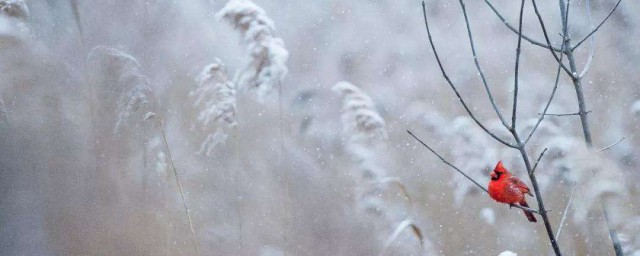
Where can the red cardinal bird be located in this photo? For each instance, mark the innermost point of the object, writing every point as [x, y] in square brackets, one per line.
[508, 189]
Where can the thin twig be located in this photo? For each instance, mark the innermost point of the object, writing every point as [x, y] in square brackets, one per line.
[464, 174]
[610, 146]
[447, 162]
[284, 170]
[555, 85]
[517, 68]
[175, 173]
[475, 60]
[525, 37]
[598, 27]
[566, 209]
[237, 182]
[546, 38]
[538, 161]
[568, 114]
[525, 157]
[455, 90]
[592, 42]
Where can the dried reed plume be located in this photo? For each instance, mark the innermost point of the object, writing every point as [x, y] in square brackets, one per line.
[267, 66]
[362, 124]
[364, 136]
[124, 81]
[124, 85]
[214, 98]
[595, 176]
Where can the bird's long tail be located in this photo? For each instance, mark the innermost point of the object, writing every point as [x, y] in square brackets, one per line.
[530, 216]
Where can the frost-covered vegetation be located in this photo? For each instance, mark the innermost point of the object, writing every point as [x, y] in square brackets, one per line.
[105, 106]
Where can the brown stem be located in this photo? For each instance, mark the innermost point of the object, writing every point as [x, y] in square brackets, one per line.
[175, 173]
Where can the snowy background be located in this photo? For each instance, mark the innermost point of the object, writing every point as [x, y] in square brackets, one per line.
[276, 155]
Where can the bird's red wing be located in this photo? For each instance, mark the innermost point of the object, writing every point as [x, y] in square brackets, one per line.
[520, 185]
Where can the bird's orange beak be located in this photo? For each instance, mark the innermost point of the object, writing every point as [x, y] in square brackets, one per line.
[493, 175]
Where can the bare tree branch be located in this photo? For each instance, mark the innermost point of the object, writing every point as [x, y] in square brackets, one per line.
[577, 82]
[453, 87]
[555, 85]
[517, 68]
[475, 60]
[582, 106]
[610, 146]
[538, 161]
[598, 27]
[592, 42]
[613, 234]
[568, 114]
[525, 37]
[546, 38]
[538, 194]
[447, 162]
[464, 174]
[519, 145]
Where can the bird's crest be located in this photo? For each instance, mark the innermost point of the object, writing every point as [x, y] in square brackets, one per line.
[500, 168]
